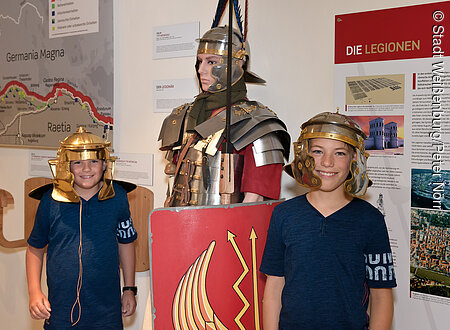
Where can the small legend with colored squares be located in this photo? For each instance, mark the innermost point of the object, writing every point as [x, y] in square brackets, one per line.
[72, 17]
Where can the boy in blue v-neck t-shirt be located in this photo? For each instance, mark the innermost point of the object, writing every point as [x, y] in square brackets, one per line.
[328, 252]
[84, 221]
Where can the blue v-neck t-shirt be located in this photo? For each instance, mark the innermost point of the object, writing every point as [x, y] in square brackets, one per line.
[104, 224]
[329, 263]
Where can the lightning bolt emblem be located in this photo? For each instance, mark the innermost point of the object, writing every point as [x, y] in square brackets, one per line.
[238, 317]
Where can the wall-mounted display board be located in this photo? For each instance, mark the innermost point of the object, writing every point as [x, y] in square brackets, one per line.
[176, 40]
[392, 76]
[56, 70]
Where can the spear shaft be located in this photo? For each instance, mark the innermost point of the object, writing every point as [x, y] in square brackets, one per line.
[229, 145]
[227, 166]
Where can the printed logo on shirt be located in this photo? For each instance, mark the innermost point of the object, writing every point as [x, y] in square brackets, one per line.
[125, 229]
[379, 267]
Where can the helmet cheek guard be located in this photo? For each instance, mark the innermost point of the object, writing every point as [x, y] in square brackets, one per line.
[337, 127]
[358, 183]
[63, 182]
[219, 72]
[81, 145]
[302, 168]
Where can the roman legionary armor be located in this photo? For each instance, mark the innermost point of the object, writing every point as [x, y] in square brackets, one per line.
[196, 154]
[192, 133]
[215, 253]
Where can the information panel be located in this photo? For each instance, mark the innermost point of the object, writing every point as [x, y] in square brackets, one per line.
[56, 70]
[392, 76]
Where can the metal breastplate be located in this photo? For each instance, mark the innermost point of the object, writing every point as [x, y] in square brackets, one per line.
[197, 182]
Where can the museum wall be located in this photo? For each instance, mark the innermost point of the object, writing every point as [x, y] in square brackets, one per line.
[292, 47]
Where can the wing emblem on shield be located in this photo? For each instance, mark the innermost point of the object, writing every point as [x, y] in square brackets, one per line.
[191, 308]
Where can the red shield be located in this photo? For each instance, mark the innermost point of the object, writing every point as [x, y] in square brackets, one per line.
[205, 263]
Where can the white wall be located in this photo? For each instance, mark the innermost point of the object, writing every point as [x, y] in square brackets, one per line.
[292, 47]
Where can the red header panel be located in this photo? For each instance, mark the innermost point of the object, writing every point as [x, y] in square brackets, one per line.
[393, 34]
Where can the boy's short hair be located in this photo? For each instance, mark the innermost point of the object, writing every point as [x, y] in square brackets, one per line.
[81, 145]
[336, 127]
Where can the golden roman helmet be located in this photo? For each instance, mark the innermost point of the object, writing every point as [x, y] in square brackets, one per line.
[336, 127]
[81, 145]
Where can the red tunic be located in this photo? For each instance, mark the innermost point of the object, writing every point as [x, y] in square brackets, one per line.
[262, 180]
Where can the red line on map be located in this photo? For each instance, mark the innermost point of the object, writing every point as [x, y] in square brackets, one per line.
[57, 86]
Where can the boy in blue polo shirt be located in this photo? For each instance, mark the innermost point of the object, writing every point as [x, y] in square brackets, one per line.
[327, 252]
[85, 223]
